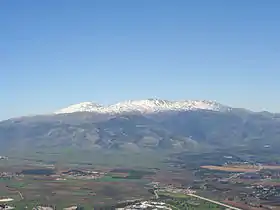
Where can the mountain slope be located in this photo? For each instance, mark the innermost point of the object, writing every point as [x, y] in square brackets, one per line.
[172, 130]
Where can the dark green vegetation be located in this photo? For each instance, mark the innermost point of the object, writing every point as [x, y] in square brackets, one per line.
[130, 173]
[191, 130]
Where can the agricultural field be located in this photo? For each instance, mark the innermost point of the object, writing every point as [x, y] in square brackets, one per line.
[69, 192]
[43, 186]
[182, 201]
[66, 180]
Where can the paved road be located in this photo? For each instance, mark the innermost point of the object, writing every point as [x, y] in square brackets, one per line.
[21, 196]
[216, 202]
[156, 194]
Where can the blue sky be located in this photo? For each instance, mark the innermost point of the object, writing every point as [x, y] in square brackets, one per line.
[56, 53]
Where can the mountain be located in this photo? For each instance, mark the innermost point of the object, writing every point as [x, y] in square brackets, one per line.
[145, 106]
[81, 107]
[145, 124]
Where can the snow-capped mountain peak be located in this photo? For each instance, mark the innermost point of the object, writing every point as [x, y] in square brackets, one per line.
[81, 107]
[145, 106]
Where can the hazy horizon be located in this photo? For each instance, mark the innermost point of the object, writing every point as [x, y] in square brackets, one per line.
[54, 54]
[108, 104]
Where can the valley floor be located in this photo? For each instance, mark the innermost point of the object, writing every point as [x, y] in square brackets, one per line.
[219, 181]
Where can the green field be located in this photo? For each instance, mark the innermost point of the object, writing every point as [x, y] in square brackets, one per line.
[143, 159]
[182, 201]
[114, 179]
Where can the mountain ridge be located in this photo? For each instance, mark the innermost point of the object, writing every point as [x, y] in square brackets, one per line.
[145, 106]
[143, 124]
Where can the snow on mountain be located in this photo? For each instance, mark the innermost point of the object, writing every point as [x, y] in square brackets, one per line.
[81, 107]
[145, 106]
